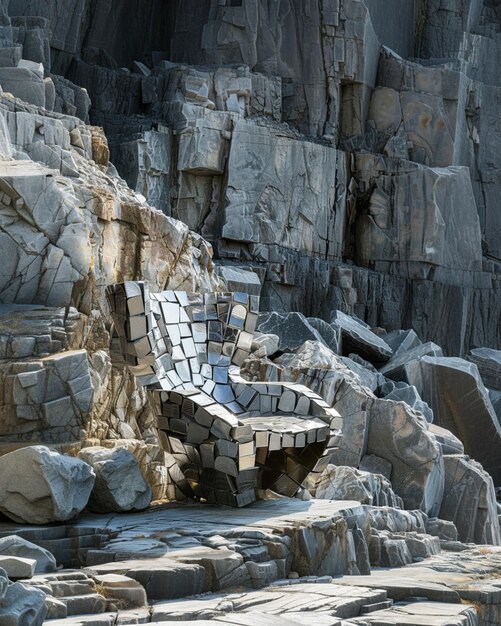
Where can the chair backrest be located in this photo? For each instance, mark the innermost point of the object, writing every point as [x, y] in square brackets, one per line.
[180, 340]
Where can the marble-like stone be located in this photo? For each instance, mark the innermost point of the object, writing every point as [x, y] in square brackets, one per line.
[356, 337]
[453, 388]
[120, 484]
[348, 483]
[470, 501]
[265, 341]
[410, 396]
[293, 329]
[401, 436]
[39, 486]
[489, 366]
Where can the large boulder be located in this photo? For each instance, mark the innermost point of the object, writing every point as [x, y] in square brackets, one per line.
[401, 436]
[120, 484]
[330, 334]
[40, 486]
[470, 501]
[293, 329]
[357, 337]
[348, 483]
[454, 390]
[22, 606]
[19, 547]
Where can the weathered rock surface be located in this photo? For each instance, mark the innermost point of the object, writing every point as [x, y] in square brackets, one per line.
[489, 366]
[19, 547]
[401, 436]
[17, 567]
[470, 501]
[22, 605]
[348, 483]
[119, 484]
[39, 486]
[360, 339]
[292, 329]
[460, 403]
[336, 156]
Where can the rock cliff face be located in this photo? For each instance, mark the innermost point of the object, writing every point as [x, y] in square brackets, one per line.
[341, 160]
[345, 150]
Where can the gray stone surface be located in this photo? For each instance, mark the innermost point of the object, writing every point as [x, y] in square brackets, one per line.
[293, 329]
[454, 390]
[17, 546]
[120, 484]
[17, 567]
[39, 486]
[396, 367]
[410, 396]
[489, 366]
[470, 501]
[22, 605]
[267, 342]
[355, 337]
[401, 436]
[348, 483]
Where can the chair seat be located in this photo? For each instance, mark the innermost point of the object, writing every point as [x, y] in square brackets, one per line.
[286, 431]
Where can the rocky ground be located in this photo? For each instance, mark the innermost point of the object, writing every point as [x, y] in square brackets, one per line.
[340, 160]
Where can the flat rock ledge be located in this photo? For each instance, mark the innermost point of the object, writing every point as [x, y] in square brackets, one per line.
[278, 562]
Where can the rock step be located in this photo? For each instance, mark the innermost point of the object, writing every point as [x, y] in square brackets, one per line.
[377, 606]
[63, 589]
[89, 604]
[68, 544]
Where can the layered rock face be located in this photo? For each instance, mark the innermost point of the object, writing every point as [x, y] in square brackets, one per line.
[337, 160]
[343, 150]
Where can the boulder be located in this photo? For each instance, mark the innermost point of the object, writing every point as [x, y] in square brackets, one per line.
[22, 606]
[470, 501]
[128, 593]
[348, 483]
[40, 486]
[16, 567]
[266, 341]
[293, 329]
[402, 340]
[238, 279]
[330, 334]
[19, 547]
[488, 362]
[409, 394]
[367, 375]
[395, 368]
[357, 337]
[401, 436]
[454, 390]
[120, 484]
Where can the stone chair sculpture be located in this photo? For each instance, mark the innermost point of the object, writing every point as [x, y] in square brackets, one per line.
[224, 436]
